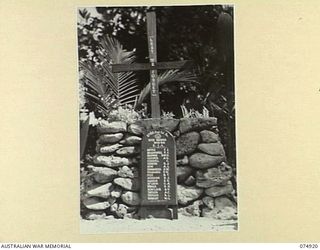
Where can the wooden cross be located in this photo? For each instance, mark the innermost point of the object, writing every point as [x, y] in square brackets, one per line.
[153, 65]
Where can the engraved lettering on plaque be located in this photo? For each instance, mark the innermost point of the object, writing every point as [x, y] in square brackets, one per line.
[158, 177]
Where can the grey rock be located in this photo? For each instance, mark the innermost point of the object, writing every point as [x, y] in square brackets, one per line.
[212, 148]
[191, 210]
[96, 204]
[108, 149]
[102, 191]
[187, 194]
[105, 127]
[222, 202]
[208, 201]
[116, 192]
[189, 124]
[183, 172]
[169, 124]
[183, 161]
[112, 161]
[125, 172]
[187, 143]
[214, 176]
[203, 161]
[136, 129]
[96, 215]
[208, 136]
[109, 138]
[131, 198]
[127, 183]
[166, 124]
[102, 174]
[127, 151]
[219, 190]
[190, 181]
[131, 140]
[119, 209]
[227, 213]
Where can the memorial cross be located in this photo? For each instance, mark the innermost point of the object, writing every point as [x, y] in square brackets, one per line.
[153, 65]
[158, 154]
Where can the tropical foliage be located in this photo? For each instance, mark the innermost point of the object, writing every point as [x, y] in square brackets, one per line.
[108, 90]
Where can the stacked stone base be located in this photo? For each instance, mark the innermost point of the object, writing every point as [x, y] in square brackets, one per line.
[204, 189]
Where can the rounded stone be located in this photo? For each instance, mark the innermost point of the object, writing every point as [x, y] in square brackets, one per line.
[108, 149]
[105, 127]
[219, 190]
[109, 138]
[227, 213]
[212, 148]
[213, 176]
[136, 129]
[116, 192]
[187, 143]
[183, 161]
[166, 124]
[119, 209]
[102, 174]
[112, 161]
[203, 161]
[102, 191]
[96, 215]
[127, 183]
[208, 136]
[96, 204]
[188, 194]
[190, 181]
[191, 210]
[223, 201]
[125, 172]
[208, 201]
[130, 198]
[131, 140]
[189, 124]
[126, 151]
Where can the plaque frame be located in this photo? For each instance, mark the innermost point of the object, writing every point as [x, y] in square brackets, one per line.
[172, 171]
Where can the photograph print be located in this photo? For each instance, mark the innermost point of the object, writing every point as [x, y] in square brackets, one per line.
[157, 119]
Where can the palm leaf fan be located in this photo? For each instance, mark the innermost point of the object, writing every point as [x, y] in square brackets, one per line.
[124, 84]
[169, 76]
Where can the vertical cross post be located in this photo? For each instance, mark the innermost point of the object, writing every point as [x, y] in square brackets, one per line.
[153, 65]
[152, 45]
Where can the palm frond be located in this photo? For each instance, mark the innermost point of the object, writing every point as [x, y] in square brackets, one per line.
[106, 85]
[114, 51]
[123, 83]
[169, 76]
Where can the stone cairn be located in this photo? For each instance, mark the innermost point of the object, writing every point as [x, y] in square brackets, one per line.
[204, 187]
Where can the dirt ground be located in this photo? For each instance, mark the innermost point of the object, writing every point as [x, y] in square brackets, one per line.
[183, 224]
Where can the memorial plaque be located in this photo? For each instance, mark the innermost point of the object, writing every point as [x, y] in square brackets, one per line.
[158, 169]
